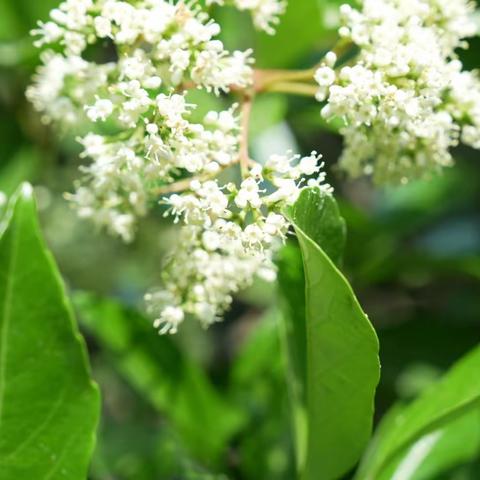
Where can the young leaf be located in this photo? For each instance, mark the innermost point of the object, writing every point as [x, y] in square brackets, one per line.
[49, 405]
[457, 394]
[341, 348]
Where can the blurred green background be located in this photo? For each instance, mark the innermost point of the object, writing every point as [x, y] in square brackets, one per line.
[216, 400]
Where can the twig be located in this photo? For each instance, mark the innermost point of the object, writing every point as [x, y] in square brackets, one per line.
[174, 187]
[296, 88]
[246, 111]
[266, 78]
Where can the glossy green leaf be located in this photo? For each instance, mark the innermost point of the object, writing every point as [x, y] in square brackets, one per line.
[456, 395]
[438, 452]
[341, 368]
[294, 335]
[48, 404]
[164, 375]
[329, 230]
[318, 216]
[456, 443]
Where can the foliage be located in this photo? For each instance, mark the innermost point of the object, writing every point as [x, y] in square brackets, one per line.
[284, 387]
[48, 404]
[340, 347]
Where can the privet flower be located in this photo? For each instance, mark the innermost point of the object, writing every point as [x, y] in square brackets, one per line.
[229, 236]
[160, 47]
[405, 100]
[265, 13]
[229, 233]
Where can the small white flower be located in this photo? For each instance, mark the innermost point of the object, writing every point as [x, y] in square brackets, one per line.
[325, 76]
[253, 235]
[287, 192]
[152, 128]
[275, 224]
[211, 240]
[279, 163]
[103, 26]
[49, 32]
[169, 320]
[309, 165]
[249, 194]
[101, 110]
[330, 59]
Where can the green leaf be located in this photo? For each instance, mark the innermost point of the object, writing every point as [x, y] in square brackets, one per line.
[329, 230]
[164, 375]
[49, 406]
[456, 395]
[318, 216]
[456, 444]
[341, 366]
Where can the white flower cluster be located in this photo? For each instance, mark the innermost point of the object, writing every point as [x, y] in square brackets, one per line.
[161, 47]
[126, 172]
[265, 13]
[229, 236]
[153, 148]
[405, 101]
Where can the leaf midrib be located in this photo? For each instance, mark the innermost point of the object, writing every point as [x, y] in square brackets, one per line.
[6, 313]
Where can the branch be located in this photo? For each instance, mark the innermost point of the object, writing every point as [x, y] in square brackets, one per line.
[264, 79]
[246, 112]
[296, 88]
[174, 187]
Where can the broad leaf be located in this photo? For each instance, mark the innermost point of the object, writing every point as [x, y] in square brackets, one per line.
[341, 369]
[161, 372]
[430, 417]
[329, 230]
[48, 404]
